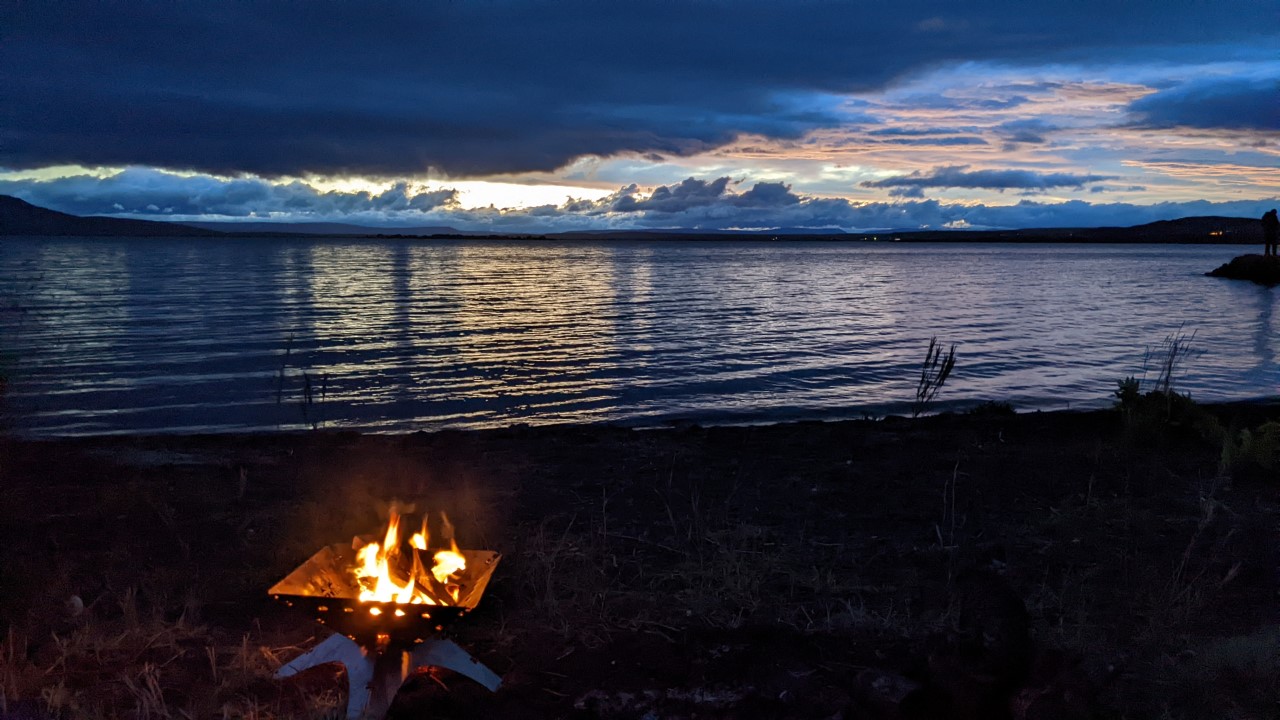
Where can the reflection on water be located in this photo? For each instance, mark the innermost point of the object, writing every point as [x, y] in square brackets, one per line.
[533, 329]
[125, 335]
[1265, 339]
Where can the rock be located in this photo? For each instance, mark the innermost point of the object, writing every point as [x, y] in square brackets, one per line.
[882, 693]
[1058, 689]
[1262, 269]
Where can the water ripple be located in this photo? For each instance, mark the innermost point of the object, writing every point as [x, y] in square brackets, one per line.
[133, 335]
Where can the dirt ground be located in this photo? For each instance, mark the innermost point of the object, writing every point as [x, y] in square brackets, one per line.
[811, 570]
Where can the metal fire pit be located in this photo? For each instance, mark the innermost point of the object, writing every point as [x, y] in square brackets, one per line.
[381, 643]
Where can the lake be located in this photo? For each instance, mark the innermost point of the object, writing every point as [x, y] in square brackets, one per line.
[124, 335]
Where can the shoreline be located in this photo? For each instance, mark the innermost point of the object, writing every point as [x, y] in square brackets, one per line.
[910, 237]
[1261, 404]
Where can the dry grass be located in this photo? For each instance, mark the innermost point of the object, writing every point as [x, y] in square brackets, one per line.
[122, 659]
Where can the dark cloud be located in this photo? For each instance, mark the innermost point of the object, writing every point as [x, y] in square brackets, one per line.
[1029, 130]
[942, 141]
[394, 87]
[998, 103]
[1234, 103]
[688, 194]
[959, 176]
[943, 101]
[1098, 189]
[766, 194]
[918, 132]
[595, 207]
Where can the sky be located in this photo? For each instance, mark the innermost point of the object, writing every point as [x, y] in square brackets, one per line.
[523, 116]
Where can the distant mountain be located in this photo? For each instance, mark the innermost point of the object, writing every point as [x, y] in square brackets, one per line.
[1185, 230]
[691, 233]
[325, 228]
[1203, 229]
[1206, 228]
[18, 217]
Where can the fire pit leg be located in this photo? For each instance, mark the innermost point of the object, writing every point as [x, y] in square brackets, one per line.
[446, 654]
[374, 678]
[389, 673]
[344, 650]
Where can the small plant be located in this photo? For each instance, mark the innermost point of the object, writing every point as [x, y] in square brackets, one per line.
[992, 409]
[1150, 416]
[1128, 392]
[1174, 350]
[1252, 453]
[284, 363]
[1172, 353]
[948, 512]
[933, 374]
[308, 403]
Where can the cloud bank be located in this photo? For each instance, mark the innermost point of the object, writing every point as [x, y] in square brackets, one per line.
[694, 203]
[959, 176]
[143, 191]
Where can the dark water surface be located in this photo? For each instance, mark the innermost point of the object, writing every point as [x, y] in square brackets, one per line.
[194, 335]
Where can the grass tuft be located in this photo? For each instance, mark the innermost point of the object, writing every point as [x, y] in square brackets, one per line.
[933, 374]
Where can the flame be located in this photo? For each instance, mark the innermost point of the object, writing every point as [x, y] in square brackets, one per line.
[448, 562]
[420, 538]
[375, 561]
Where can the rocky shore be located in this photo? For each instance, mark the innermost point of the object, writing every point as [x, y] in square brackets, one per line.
[1261, 269]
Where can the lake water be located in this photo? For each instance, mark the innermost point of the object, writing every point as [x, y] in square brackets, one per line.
[211, 335]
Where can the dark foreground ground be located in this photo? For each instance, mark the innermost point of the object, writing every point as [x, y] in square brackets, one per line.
[814, 570]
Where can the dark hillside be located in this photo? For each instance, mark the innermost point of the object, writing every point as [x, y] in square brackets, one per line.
[18, 217]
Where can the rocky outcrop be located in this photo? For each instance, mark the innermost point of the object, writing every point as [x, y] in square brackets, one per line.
[1262, 269]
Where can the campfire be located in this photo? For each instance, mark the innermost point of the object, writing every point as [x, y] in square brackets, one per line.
[388, 597]
[390, 585]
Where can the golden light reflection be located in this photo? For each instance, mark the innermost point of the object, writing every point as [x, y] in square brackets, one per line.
[537, 315]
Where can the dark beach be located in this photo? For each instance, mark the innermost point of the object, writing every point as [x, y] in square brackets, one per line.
[771, 571]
